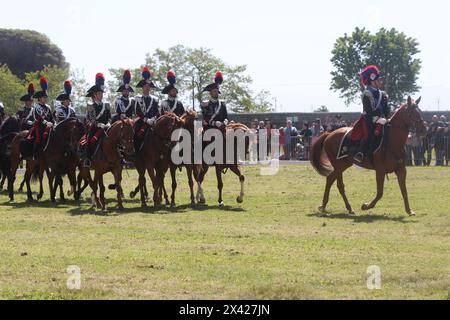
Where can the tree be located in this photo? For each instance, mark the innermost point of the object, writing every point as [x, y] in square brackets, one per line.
[195, 69]
[80, 87]
[322, 109]
[11, 89]
[392, 51]
[26, 51]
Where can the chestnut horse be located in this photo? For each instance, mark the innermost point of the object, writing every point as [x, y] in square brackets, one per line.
[389, 158]
[154, 156]
[108, 159]
[222, 168]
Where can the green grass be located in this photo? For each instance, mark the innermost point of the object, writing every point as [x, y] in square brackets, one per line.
[274, 246]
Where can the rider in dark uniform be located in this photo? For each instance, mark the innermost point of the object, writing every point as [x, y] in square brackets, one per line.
[25, 113]
[171, 104]
[42, 118]
[214, 111]
[98, 117]
[376, 108]
[146, 108]
[124, 104]
[65, 111]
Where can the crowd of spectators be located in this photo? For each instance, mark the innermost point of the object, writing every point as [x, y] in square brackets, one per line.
[295, 142]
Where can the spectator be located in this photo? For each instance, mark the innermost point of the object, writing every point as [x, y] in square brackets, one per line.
[339, 123]
[306, 134]
[269, 128]
[317, 130]
[417, 149]
[408, 151]
[262, 141]
[291, 134]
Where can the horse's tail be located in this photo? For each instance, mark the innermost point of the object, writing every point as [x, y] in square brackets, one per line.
[319, 158]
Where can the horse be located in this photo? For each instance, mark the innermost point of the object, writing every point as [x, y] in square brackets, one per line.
[154, 156]
[224, 167]
[389, 158]
[9, 128]
[118, 139]
[33, 167]
[188, 120]
[61, 155]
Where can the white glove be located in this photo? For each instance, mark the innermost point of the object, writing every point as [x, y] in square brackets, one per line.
[49, 124]
[107, 126]
[101, 126]
[150, 122]
[225, 123]
[218, 124]
[382, 121]
[30, 123]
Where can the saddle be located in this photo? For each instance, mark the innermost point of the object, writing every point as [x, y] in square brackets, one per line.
[351, 141]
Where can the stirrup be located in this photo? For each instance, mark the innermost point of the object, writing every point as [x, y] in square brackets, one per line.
[87, 163]
[359, 157]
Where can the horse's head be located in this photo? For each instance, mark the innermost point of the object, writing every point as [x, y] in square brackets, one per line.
[167, 124]
[124, 132]
[409, 116]
[189, 119]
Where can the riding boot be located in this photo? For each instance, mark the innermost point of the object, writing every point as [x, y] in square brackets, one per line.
[362, 151]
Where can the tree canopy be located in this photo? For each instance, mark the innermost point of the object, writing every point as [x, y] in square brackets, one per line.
[26, 51]
[195, 69]
[392, 51]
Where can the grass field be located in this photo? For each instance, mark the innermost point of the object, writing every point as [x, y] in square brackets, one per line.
[274, 246]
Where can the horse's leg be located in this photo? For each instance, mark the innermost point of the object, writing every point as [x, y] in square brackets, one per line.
[22, 184]
[401, 176]
[201, 177]
[102, 192]
[326, 196]
[191, 182]
[2, 184]
[61, 188]
[51, 183]
[237, 171]
[153, 178]
[73, 182]
[94, 186]
[219, 184]
[142, 180]
[173, 175]
[341, 187]
[118, 183]
[380, 189]
[27, 177]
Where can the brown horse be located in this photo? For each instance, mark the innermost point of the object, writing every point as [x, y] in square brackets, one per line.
[192, 170]
[33, 168]
[8, 131]
[222, 168]
[108, 159]
[154, 156]
[61, 155]
[389, 158]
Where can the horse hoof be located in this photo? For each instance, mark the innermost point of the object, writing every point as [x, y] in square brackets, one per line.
[132, 195]
[365, 207]
[39, 197]
[144, 206]
[351, 212]
[20, 190]
[321, 209]
[412, 214]
[239, 200]
[120, 208]
[221, 205]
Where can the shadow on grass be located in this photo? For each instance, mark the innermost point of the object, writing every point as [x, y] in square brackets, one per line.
[112, 210]
[367, 218]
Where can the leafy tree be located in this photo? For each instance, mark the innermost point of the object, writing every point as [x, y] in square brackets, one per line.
[392, 51]
[11, 89]
[195, 69]
[28, 51]
[322, 109]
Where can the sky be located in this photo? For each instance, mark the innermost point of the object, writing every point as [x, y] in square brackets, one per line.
[286, 44]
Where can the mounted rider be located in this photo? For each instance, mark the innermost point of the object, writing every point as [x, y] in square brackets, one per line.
[376, 109]
[171, 104]
[98, 116]
[146, 108]
[65, 110]
[124, 104]
[42, 118]
[26, 112]
[215, 114]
